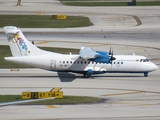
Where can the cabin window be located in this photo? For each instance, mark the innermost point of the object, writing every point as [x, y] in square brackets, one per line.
[85, 62]
[121, 62]
[71, 62]
[81, 62]
[88, 62]
[74, 62]
[92, 62]
[77, 62]
[64, 62]
[67, 62]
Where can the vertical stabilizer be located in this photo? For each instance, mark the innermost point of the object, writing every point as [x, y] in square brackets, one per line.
[19, 45]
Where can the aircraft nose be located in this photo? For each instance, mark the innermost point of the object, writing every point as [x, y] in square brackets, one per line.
[154, 67]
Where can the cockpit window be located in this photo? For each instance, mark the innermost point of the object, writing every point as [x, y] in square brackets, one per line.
[144, 60]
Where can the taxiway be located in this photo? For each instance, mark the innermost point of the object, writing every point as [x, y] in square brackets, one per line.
[128, 96]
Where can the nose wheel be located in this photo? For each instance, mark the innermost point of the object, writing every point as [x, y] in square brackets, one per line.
[146, 74]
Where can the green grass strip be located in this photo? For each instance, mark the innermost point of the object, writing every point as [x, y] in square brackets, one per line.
[95, 3]
[43, 21]
[98, 3]
[151, 3]
[64, 100]
[5, 52]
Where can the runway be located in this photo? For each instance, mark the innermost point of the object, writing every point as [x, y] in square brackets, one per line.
[127, 96]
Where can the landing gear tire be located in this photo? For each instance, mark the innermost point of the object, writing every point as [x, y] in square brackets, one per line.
[86, 75]
[146, 74]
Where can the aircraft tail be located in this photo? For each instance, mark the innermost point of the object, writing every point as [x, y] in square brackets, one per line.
[19, 45]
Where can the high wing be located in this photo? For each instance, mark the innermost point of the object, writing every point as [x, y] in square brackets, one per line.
[88, 53]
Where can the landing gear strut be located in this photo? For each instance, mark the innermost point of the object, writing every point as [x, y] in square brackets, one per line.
[146, 74]
[88, 73]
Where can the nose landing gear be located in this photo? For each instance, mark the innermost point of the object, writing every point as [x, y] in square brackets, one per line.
[145, 74]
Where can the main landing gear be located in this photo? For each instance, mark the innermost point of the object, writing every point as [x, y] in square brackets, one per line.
[88, 73]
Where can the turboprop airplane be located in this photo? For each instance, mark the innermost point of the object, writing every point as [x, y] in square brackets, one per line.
[87, 62]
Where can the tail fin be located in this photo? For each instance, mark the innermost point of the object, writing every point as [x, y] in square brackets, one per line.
[19, 45]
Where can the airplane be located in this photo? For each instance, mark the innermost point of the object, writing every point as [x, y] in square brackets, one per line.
[87, 62]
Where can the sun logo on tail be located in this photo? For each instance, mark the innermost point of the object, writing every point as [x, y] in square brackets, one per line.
[18, 40]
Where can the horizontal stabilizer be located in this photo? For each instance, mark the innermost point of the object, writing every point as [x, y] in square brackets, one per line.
[11, 30]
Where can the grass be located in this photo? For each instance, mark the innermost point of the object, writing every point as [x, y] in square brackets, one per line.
[103, 3]
[95, 3]
[5, 52]
[9, 98]
[61, 50]
[64, 100]
[151, 3]
[43, 21]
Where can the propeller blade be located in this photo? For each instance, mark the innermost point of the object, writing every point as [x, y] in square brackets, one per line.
[111, 56]
[110, 51]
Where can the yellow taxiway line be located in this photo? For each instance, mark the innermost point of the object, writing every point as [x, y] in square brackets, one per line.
[136, 92]
[51, 106]
[44, 42]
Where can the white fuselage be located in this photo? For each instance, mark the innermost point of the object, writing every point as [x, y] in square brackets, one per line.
[74, 63]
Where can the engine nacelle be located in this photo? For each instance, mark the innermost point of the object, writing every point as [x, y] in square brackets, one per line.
[102, 57]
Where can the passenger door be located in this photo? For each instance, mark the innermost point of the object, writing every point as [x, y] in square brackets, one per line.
[53, 64]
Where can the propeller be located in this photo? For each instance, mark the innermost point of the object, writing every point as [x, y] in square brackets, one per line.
[111, 56]
[110, 51]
